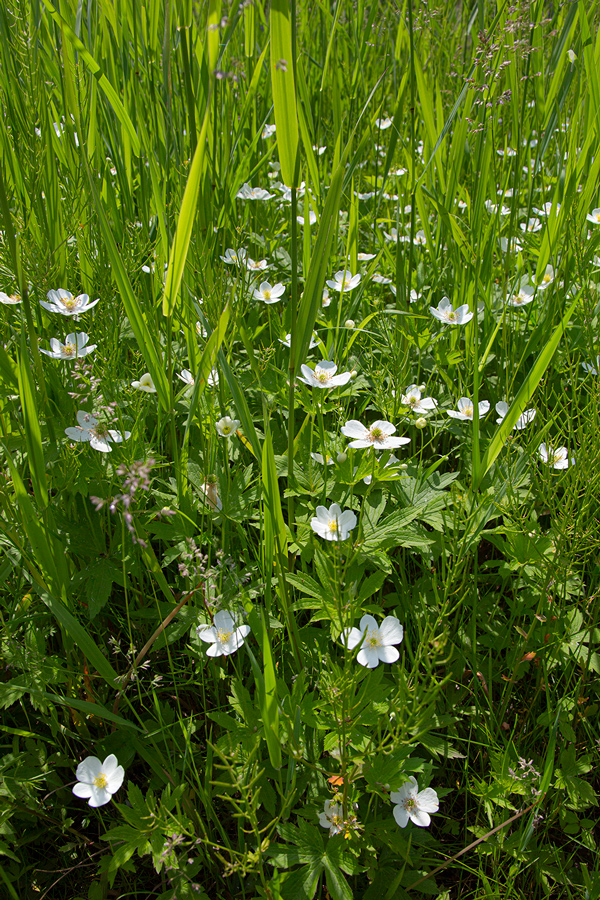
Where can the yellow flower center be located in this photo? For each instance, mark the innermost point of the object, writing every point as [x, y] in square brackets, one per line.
[69, 304]
[468, 411]
[226, 430]
[373, 640]
[267, 295]
[223, 636]
[100, 781]
[451, 316]
[333, 525]
[409, 804]
[323, 376]
[376, 434]
[69, 350]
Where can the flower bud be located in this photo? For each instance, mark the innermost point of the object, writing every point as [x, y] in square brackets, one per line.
[342, 456]
[421, 422]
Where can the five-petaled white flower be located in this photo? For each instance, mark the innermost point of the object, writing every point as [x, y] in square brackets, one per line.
[344, 281]
[333, 524]
[226, 426]
[524, 419]
[75, 346]
[523, 296]
[376, 642]
[99, 436]
[418, 404]
[235, 258]
[223, 635]
[63, 302]
[145, 384]
[269, 293]
[446, 313]
[9, 300]
[257, 265]
[268, 131]
[557, 457]
[379, 435]
[324, 375]
[249, 193]
[98, 781]
[332, 817]
[382, 124]
[413, 804]
[187, 377]
[546, 279]
[594, 216]
[465, 409]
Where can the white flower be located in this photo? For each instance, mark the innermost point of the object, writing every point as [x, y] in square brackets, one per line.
[257, 265]
[414, 804]
[557, 457]
[97, 781]
[531, 226]
[187, 377]
[546, 279]
[546, 209]
[74, 346]
[63, 302]
[314, 340]
[450, 316]
[333, 524]
[418, 404]
[99, 436]
[145, 384]
[226, 426]
[9, 300]
[324, 375]
[465, 409]
[380, 279]
[366, 195]
[268, 293]
[523, 296]
[249, 193]
[234, 259]
[318, 457]
[268, 131]
[378, 436]
[420, 239]
[319, 150]
[223, 635]
[382, 124]
[594, 216]
[524, 419]
[211, 494]
[312, 218]
[344, 281]
[590, 369]
[326, 299]
[376, 642]
[365, 257]
[513, 244]
[332, 817]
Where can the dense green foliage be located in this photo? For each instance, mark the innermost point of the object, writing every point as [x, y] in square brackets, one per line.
[428, 151]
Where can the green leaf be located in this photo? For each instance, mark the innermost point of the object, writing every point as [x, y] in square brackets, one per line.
[284, 90]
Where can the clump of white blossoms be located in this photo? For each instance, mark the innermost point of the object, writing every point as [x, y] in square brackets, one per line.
[64, 303]
[465, 409]
[98, 434]
[145, 384]
[413, 804]
[332, 524]
[379, 435]
[418, 404]
[344, 281]
[557, 457]
[524, 419]
[98, 781]
[269, 293]
[224, 635]
[446, 313]
[75, 347]
[376, 641]
[227, 426]
[324, 375]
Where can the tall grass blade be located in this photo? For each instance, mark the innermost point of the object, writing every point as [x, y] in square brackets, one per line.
[284, 91]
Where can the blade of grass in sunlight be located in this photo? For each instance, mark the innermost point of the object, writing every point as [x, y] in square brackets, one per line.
[284, 90]
[31, 421]
[525, 394]
[83, 706]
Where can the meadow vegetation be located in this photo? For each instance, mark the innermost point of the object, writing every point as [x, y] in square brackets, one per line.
[299, 449]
